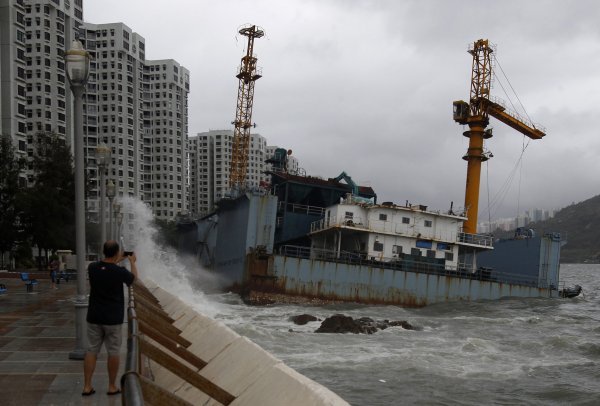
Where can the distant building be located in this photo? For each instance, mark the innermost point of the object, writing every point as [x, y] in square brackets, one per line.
[509, 224]
[210, 158]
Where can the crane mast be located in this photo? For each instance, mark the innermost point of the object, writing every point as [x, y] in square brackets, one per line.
[476, 114]
[247, 74]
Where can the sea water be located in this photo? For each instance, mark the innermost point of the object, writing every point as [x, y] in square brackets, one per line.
[510, 351]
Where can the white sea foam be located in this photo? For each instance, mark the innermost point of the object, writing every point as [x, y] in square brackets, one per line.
[160, 263]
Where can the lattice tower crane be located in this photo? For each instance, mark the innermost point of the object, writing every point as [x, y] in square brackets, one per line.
[247, 74]
[476, 114]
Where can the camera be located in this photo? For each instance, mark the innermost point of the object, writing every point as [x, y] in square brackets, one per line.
[127, 253]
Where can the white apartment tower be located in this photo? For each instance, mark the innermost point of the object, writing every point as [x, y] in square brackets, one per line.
[166, 95]
[139, 109]
[35, 96]
[210, 158]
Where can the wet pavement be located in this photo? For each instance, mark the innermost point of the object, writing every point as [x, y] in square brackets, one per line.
[37, 333]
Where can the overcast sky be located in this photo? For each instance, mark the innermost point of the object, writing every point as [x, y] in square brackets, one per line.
[367, 87]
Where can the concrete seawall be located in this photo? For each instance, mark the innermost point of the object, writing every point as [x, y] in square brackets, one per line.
[235, 364]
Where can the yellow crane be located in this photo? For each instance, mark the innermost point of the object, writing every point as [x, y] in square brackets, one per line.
[476, 114]
[247, 74]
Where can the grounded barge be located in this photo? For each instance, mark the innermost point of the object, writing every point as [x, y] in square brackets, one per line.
[324, 239]
[316, 238]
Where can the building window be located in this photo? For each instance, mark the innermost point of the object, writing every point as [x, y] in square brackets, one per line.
[378, 246]
[405, 220]
[428, 223]
[424, 244]
[382, 217]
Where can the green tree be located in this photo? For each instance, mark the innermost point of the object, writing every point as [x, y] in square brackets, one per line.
[49, 205]
[10, 166]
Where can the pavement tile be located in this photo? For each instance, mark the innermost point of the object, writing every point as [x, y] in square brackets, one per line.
[37, 333]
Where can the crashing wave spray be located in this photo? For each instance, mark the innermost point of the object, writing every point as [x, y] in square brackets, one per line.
[181, 277]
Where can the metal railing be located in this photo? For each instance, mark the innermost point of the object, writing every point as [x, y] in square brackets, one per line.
[301, 208]
[130, 382]
[165, 347]
[483, 240]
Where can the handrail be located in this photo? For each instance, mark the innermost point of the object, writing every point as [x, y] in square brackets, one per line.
[130, 380]
[152, 335]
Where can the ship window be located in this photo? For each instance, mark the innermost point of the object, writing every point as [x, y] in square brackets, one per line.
[430, 254]
[397, 249]
[349, 215]
[405, 220]
[415, 251]
[378, 246]
[449, 256]
[383, 217]
[428, 223]
[442, 246]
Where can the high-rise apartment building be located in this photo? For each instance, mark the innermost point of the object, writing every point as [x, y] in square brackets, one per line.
[210, 158]
[139, 109]
[35, 96]
[166, 90]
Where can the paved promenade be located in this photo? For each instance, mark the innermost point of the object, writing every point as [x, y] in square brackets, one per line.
[37, 332]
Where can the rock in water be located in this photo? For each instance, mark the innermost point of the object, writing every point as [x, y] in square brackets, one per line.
[339, 323]
[302, 319]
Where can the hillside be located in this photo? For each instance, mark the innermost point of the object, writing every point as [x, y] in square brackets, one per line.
[580, 225]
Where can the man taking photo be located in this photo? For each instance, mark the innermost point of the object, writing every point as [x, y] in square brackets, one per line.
[106, 313]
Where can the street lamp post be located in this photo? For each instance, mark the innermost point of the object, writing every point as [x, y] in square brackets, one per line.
[117, 209]
[110, 193]
[77, 61]
[103, 161]
[119, 222]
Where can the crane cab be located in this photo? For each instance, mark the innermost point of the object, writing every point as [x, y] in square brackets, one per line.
[461, 111]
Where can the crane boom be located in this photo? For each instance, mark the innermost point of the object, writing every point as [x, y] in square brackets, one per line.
[476, 114]
[501, 114]
[248, 73]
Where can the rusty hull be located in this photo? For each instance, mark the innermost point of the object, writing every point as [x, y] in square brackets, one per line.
[331, 281]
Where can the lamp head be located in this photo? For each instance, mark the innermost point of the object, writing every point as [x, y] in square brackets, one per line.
[102, 154]
[110, 189]
[77, 61]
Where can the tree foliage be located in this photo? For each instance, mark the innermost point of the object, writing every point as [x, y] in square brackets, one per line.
[49, 205]
[10, 166]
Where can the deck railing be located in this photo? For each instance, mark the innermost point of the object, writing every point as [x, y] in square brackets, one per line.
[483, 240]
